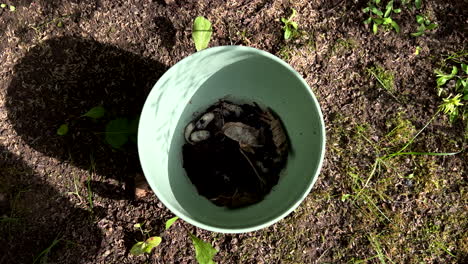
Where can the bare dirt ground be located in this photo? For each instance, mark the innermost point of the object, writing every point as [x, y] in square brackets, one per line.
[75, 195]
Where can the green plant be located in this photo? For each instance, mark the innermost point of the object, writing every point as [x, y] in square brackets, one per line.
[360, 191]
[384, 77]
[42, 257]
[146, 246]
[10, 7]
[118, 131]
[450, 106]
[62, 130]
[417, 50]
[424, 25]
[379, 18]
[204, 252]
[417, 3]
[290, 27]
[454, 87]
[201, 32]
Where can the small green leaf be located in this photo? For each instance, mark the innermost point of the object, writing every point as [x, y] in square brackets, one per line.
[453, 116]
[201, 33]
[418, 49]
[376, 11]
[378, 21]
[287, 33]
[3, 5]
[388, 8]
[454, 71]
[294, 13]
[442, 80]
[62, 130]
[204, 252]
[420, 19]
[136, 226]
[374, 28]
[417, 34]
[398, 10]
[171, 221]
[284, 20]
[344, 197]
[293, 24]
[464, 68]
[458, 84]
[395, 26]
[60, 23]
[365, 10]
[377, 1]
[387, 21]
[464, 83]
[151, 243]
[95, 112]
[12, 8]
[138, 248]
[117, 131]
[418, 3]
[367, 21]
[431, 26]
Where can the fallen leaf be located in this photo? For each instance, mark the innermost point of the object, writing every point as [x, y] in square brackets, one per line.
[141, 186]
[242, 133]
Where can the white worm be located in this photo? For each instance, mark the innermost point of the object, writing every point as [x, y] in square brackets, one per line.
[188, 131]
[199, 135]
[203, 122]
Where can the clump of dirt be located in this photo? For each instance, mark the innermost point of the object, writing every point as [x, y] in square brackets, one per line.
[235, 153]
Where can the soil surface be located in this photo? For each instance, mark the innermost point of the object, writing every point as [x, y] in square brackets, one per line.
[235, 162]
[74, 199]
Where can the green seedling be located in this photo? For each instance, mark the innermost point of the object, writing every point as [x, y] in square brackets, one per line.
[201, 33]
[204, 252]
[62, 130]
[10, 7]
[171, 221]
[417, 50]
[424, 25]
[146, 246]
[121, 130]
[118, 131]
[95, 112]
[379, 18]
[42, 257]
[454, 87]
[450, 106]
[384, 78]
[290, 27]
[417, 3]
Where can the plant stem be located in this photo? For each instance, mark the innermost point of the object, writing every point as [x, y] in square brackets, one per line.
[253, 167]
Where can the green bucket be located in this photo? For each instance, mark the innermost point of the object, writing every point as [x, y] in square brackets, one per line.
[242, 75]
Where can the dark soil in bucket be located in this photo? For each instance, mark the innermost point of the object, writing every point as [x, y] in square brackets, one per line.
[235, 153]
